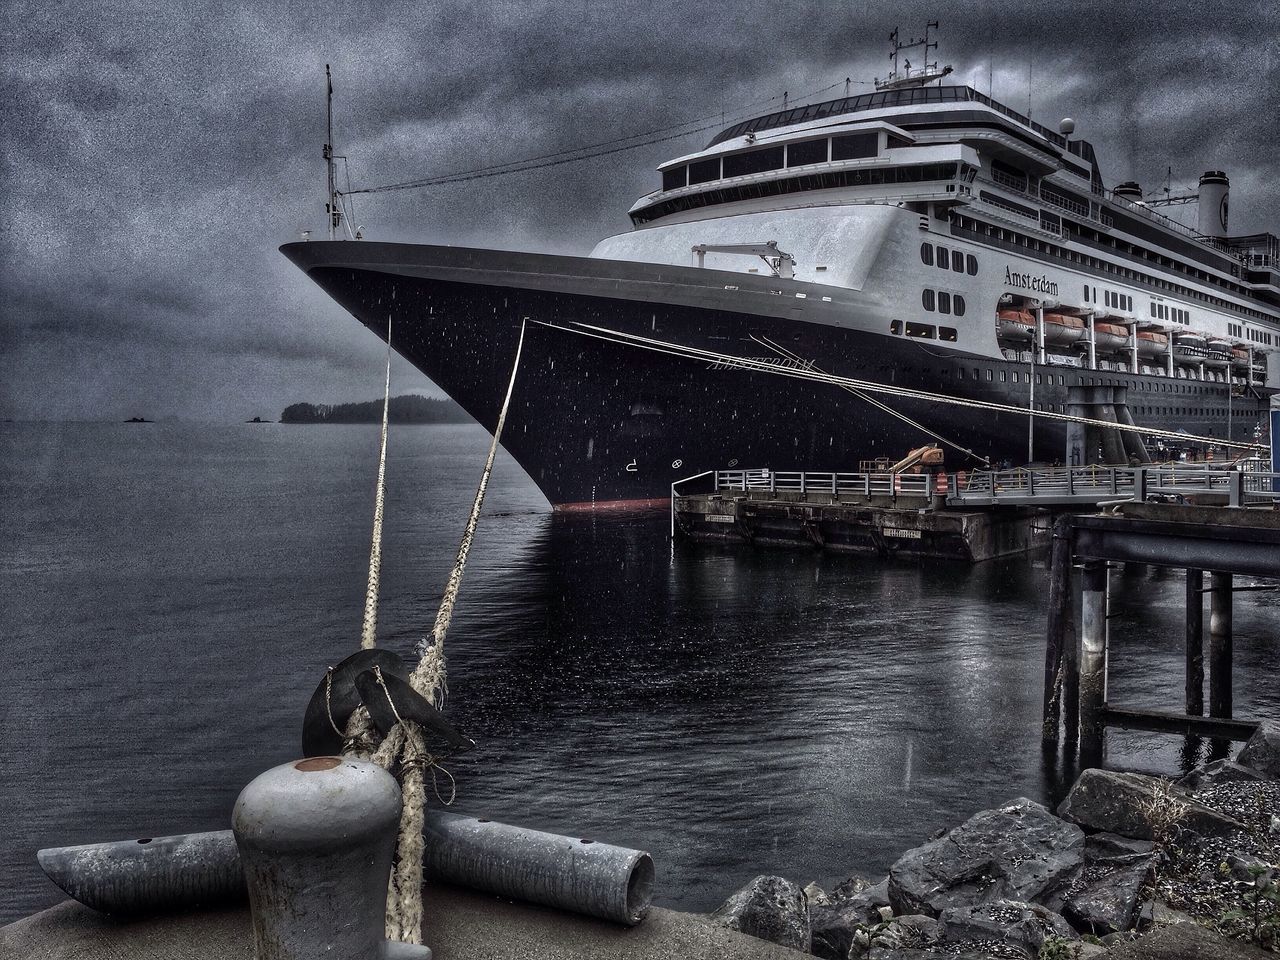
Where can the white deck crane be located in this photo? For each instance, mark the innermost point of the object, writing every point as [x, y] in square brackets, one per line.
[780, 264]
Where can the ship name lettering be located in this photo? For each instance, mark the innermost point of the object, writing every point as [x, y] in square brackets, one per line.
[1027, 281]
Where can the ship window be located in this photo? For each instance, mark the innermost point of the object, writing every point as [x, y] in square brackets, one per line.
[948, 334]
[675, 178]
[895, 326]
[975, 373]
[942, 257]
[988, 373]
[753, 161]
[853, 146]
[704, 171]
[944, 302]
[972, 263]
[1003, 376]
[807, 151]
[924, 331]
[926, 300]
[957, 305]
[957, 261]
[1062, 381]
[926, 254]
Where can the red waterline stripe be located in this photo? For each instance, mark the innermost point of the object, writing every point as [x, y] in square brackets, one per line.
[655, 503]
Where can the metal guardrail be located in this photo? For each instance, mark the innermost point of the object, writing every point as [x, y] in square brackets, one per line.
[837, 484]
[1097, 484]
[1085, 485]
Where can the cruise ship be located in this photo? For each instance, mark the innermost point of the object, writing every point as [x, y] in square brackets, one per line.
[921, 236]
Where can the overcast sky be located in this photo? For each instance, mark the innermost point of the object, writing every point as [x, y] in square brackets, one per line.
[155, 156]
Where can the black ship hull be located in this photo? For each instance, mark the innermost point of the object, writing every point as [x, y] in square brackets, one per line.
[596, 423]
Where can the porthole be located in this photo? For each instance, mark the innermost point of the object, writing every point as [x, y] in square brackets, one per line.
[971, 264]
[926, 300]
[926, 254]
[957, 305]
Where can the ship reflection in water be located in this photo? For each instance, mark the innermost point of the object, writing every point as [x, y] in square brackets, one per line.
[735, 712]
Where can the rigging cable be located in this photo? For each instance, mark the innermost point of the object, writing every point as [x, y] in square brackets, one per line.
[749, 364]
[588, 151]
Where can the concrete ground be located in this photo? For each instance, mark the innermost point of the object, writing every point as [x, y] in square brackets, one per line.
[459, 924]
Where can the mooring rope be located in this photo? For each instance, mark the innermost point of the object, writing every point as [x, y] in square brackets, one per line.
[375, 547]
[405, 742]
[761, 366]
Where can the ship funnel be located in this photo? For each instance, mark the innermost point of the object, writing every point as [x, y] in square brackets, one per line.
[1212, 205]
[1129, 190]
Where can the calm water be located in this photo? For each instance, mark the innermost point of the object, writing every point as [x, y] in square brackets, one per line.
[170, 596]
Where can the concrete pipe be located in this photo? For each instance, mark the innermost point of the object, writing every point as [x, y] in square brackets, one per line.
[584, 876]
[317, 838]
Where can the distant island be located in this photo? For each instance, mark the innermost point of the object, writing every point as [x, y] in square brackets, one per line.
[410, 408]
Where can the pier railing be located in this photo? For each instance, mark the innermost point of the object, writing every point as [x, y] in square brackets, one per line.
[1050, 485]
[1095, 484]
[837, 484]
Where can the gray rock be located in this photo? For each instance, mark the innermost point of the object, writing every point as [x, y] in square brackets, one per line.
[1186, 941]
[849, 888]
[878, 894]
[1017, 852]
[815, 896]
[1135, 805]
[1242, 866]
[1022, 926]
[914, 931]
[770, 908]
[1103, 898]
[1262, 752]
[834, 929]
[1220, 771]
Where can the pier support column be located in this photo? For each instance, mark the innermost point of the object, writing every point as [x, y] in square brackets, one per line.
[1220, 645]
[1195, 643]
[1058, 632]
[1093, 653]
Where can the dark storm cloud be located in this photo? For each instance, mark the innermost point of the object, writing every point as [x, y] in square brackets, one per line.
[154, 156]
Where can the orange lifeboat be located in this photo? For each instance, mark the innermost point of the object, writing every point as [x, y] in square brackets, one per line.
[1240, 356]
[1152, 344]
[1110, 336]
[1062, 328]
[1015, 324]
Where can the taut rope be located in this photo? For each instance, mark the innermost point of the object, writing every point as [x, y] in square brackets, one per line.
[375, 547]
[405, 742]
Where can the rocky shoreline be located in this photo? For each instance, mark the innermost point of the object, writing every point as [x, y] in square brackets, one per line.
[1128, 866]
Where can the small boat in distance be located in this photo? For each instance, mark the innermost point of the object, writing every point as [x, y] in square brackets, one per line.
[138, 420]
[259, 420]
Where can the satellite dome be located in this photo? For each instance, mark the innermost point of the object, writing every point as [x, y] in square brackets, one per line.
[1066, 126]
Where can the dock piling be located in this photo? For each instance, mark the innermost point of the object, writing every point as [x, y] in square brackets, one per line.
[1220, 653]
[1093, 650]
[1058, 632]
[1195, 643]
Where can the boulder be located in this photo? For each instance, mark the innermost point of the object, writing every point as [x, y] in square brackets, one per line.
[834, 928]
[1136, 805]
[1103, 898]
[851, 887]
[770, 908]
[1262, 752]
[1219, 771]
[1020, 852]
[1008, 923]
[815, 896]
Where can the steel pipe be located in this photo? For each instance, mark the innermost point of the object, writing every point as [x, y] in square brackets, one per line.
[584, 876]
[166, 873]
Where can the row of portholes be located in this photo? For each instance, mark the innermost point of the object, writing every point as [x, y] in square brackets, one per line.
[957, 260]
[943, 302]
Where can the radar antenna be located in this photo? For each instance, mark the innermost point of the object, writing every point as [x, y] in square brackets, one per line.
[333, 212]
[909, 76]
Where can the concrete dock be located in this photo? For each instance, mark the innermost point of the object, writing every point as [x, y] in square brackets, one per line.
[458, 925]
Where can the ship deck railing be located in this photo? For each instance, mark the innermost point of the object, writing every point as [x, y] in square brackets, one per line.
[1248, 484]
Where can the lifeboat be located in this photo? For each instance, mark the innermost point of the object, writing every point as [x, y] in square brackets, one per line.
[1110, 336]
[1061, 329]
[1240, 356]
[1152, 344]
[1219, 353]
[1189, 348]
[1015, 325]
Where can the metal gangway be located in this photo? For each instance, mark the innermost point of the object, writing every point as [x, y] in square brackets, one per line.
[1050, 486]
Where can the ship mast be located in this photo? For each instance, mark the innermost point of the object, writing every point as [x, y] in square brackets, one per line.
[332, 213]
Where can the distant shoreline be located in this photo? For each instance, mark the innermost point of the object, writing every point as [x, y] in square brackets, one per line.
[410, 408]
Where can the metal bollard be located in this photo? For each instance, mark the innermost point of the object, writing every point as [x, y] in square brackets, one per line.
[316, 839]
